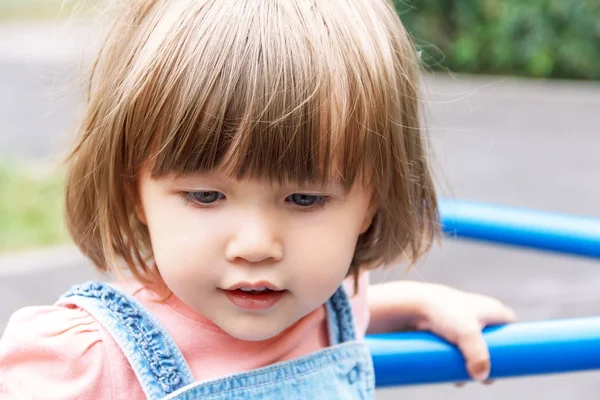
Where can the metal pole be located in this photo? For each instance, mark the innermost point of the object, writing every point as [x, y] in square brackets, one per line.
[526, 228]
[526, 348]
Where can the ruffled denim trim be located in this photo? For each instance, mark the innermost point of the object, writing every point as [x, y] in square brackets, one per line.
[345, 318]
[147, 337]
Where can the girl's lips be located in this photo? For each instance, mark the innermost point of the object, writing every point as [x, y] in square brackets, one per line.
[254, 301]
[256, 285]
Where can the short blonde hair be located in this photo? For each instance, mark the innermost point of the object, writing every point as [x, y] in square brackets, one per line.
[294, 90]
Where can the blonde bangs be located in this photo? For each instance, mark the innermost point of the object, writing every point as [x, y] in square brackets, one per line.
[264, 89]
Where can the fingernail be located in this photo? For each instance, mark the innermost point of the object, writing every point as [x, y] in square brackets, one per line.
[480, 370]
[481, 376]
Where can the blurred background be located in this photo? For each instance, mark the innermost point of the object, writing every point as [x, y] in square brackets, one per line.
[511, 99]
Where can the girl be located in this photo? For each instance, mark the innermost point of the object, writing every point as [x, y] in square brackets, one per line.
[246, 162]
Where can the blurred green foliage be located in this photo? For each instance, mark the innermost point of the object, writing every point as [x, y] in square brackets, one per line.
[540, 38]
[31, 204]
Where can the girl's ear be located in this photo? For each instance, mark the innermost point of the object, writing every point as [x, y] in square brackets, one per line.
[133, 194]
[139, 212]
[369, 215]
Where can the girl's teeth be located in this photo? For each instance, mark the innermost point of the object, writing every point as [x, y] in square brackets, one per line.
[260, 289]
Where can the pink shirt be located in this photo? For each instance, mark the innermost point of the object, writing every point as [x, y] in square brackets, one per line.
[61, 352]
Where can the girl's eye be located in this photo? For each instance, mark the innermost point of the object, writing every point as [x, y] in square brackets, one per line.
[306, 200]
[204, 197]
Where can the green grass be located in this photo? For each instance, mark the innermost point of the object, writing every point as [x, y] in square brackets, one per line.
[35, 10]
[31, 207]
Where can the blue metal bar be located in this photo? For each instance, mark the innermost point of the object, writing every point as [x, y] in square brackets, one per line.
[526, 348]
[534, 229]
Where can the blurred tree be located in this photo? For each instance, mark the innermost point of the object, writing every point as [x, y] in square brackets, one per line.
[541, 38]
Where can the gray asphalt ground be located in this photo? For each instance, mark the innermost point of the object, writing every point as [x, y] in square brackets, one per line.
[514, 142]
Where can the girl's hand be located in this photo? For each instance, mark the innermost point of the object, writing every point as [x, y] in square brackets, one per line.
[456, 316]
[459, 318]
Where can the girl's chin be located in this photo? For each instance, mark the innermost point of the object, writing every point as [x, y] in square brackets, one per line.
[252, 335]
[253, 328]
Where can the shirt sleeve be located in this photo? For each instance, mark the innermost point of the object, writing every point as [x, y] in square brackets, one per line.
[358, 301]
[53, 352]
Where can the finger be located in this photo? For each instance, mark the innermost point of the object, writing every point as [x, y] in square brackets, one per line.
[476, 354]
[499, 315]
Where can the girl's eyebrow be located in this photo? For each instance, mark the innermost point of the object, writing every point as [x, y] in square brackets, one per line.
[192, 178]
[216, 177]
[332, 186]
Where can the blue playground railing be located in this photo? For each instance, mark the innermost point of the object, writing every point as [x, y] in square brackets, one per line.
[525, 228]
[519, 349]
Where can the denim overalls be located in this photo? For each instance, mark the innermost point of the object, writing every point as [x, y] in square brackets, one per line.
[342, 371]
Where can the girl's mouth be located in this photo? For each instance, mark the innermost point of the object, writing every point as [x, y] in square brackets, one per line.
[254, 300]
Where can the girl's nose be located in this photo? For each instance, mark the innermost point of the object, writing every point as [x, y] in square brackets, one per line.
[255, 240]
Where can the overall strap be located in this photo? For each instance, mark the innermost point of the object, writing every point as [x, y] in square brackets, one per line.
[151, 352]
[340, 318]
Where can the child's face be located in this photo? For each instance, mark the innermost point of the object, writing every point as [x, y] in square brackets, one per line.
[211, 233]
